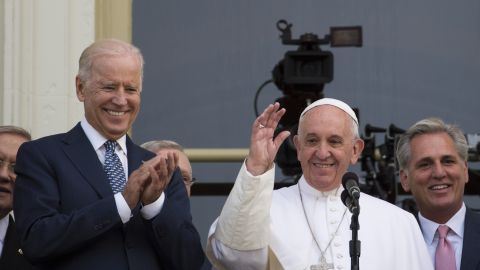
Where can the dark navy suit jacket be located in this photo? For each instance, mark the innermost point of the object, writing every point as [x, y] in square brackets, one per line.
[11, 257]
[471, 241]
[67, 218]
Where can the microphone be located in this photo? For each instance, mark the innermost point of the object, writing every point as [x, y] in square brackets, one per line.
[350, 183]
[349, 202]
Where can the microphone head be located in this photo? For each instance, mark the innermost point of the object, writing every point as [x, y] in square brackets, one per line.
[344, 196]
[351, 204]
[349, 176]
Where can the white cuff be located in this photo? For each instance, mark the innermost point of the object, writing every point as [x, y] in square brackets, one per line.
[122, 207]
[149, 211]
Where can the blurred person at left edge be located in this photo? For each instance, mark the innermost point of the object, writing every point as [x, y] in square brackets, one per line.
[11, 256]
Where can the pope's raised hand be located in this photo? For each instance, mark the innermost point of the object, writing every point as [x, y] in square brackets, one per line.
[263, 145]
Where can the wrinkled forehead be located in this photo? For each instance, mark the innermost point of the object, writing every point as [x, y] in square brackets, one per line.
[326, 119]
[9, 144]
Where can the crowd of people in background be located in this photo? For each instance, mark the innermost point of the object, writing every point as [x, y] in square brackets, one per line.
[91, 198]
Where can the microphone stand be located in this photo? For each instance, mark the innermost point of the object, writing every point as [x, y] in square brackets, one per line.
[355, 243]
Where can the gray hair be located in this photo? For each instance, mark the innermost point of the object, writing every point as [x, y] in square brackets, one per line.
[16, 131]
[106, 47]
[429, 126]
[155, 146]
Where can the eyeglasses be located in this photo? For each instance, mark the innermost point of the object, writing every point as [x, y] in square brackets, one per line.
[189, 182]
[10, 166]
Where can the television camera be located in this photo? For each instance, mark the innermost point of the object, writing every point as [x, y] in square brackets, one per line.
[301, 75]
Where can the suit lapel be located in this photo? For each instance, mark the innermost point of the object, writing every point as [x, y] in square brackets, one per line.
[136, 155]
[10, 255]
[80, 151]
[471, 241]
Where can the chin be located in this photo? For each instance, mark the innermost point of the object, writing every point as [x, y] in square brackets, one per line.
[117, 131]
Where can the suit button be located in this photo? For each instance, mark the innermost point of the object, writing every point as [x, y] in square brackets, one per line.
[98, 227]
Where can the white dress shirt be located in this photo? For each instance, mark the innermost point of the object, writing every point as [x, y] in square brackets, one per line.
[97, 140]
[3, 231]
[454, 236]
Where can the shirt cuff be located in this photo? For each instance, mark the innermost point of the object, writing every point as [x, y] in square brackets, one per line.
[149, 211]
[123, 209]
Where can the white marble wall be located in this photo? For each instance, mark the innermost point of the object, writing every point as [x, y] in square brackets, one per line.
[42, 41]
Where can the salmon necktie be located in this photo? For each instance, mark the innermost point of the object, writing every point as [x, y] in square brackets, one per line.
[444, 255]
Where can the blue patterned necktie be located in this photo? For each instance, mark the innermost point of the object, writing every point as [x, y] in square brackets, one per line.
[113, 167]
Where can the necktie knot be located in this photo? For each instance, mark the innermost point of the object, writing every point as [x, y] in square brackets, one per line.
[110, 145]
[443, 231]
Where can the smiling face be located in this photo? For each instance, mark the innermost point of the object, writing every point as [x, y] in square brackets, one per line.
[111, 95]
[326, 146]
[9, 144]
[436, 175]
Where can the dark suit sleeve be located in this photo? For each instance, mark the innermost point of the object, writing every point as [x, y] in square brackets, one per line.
[176, 239]
[51, 223]
[471, 241]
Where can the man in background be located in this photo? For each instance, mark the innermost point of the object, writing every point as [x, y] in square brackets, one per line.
[11, 138]
[433, 162]
[162, 147]
[91, 198]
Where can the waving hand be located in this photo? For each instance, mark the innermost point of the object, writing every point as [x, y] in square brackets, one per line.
[263, 146]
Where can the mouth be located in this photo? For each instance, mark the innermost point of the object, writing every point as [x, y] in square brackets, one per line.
[115, 113]
[5, 190]
[322, 165]
[439, 187]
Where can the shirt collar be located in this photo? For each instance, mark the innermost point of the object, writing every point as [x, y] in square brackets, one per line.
[97, 139]
[455, 224]
[311, 191]
[3, 228]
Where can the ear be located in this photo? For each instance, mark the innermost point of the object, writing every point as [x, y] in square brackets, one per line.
[296, 142]
[357, 150]
[466, 171]
[80, 87]
[404, 180]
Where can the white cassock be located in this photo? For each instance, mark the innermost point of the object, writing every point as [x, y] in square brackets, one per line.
[264, 229]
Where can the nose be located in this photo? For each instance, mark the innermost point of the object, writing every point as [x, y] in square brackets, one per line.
[322, 151]
[438, 170]
[120, 97]
[5, 173]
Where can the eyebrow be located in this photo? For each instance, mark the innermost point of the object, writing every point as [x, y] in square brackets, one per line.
[429, 158]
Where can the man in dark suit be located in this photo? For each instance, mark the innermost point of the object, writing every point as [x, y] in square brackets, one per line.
[432, 157]
[91, 198]
[11, 138]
